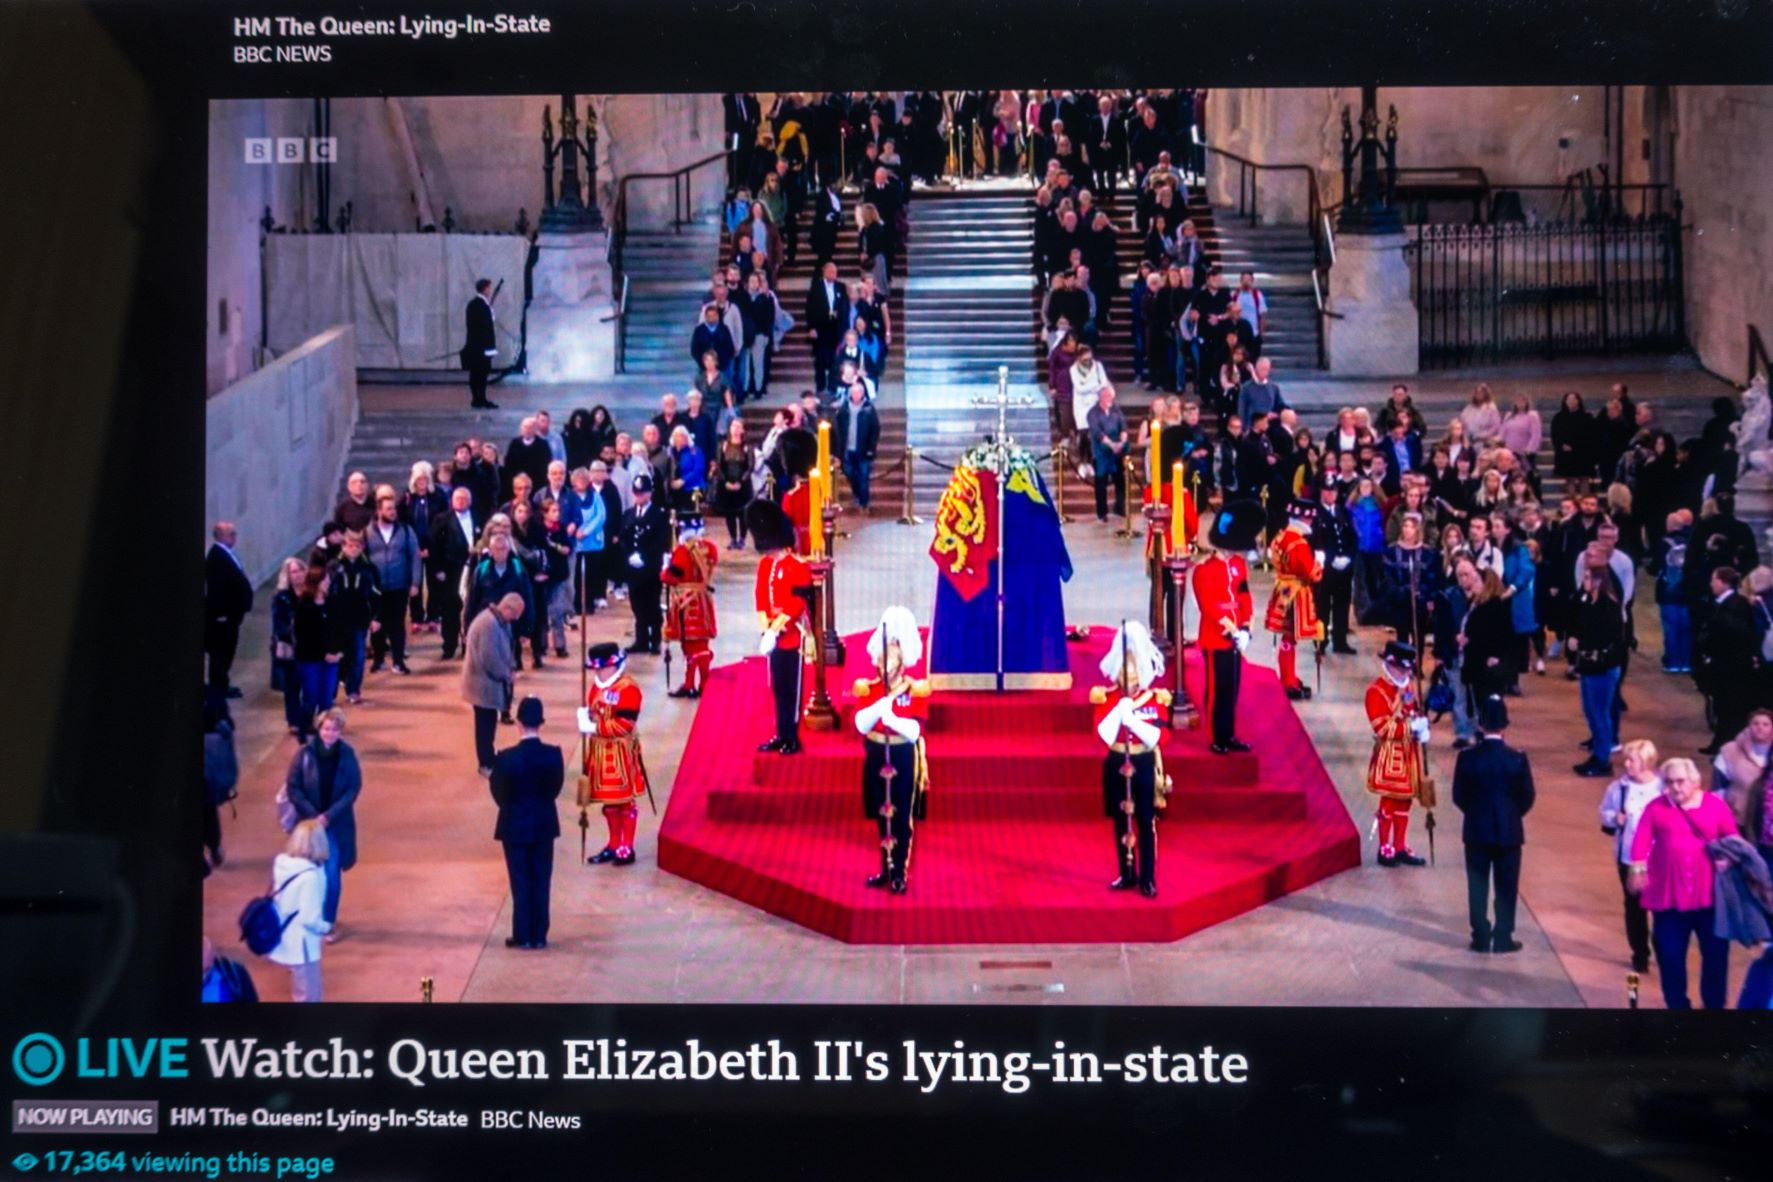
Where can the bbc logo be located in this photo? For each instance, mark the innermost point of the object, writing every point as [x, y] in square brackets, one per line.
[291, 149]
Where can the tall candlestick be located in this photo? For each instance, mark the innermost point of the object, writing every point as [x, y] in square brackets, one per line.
[1178, 525]
[825, 457]
[1157, 460]
[816, 513]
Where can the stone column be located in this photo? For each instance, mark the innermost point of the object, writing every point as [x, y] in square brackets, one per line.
[568, 339]
[1374, 333]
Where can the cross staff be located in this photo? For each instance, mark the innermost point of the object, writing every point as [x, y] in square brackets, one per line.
[1002, 400]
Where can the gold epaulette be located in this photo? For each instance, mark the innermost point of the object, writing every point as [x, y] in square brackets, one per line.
[1098, 695]
[1161, 696]
[920, 688]
[861, 687]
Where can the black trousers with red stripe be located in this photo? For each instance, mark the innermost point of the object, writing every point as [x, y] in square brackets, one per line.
[1224, 668]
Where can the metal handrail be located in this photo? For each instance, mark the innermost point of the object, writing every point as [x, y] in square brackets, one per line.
[1317, 220]
[615, 252]
[620, 318]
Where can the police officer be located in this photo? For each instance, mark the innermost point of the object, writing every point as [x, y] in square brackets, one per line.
[1335, 537]
[646, 538]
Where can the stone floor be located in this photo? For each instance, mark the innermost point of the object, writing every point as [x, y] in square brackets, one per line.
[428, 898]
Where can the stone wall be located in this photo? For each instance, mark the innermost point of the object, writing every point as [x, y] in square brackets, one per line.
[276, 446]
[1723, 164]
[1513, 133]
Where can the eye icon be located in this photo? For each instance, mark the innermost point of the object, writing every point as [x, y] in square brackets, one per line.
[25, 1162]
[38, 1059]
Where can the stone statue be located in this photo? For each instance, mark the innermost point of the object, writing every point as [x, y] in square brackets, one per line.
[1751, 432]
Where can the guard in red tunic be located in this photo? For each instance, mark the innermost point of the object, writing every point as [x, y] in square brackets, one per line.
[615, 774]
[784, 589]
[1129, 716]
[799, 449]
[1400, 729]
[690, 618]
[1222, 594]
[891, 708]
[1292, 606]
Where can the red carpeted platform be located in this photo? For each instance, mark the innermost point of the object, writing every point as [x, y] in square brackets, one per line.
[1015, 849]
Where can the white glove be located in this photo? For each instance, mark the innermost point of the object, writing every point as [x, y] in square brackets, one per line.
[1340, 562]
[635, 561]
[1318, 556]
[1241, 638]
[585, 725]
[767, 642]
[1419, 728]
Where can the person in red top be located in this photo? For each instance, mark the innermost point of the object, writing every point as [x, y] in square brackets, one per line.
[1394, 773]
[891, 709]
[784, 588]
[1129, 713]
[1222, 594]
[690, 619]
[1292, 605]
[615, 775]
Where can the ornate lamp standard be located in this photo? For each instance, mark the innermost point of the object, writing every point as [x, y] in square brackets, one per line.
[1369, 208]
[570, 211]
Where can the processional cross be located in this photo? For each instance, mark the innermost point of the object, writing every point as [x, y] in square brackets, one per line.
[1002, 400]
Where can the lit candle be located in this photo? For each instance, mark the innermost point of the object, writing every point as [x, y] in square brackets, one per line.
[1157, 465]
[815, 502]
[825, 457]
[1178, 525]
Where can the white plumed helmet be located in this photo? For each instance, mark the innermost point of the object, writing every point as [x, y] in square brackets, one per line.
[1147, 662]
[900, 627]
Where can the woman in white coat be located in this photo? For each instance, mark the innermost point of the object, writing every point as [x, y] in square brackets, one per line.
[298, 876]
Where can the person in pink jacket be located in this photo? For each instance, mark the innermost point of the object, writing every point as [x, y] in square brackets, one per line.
[1673, 874]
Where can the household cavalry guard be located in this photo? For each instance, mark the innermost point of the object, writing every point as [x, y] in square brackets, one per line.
[1222, 593]
[784, 589]
[615, 774]
[1292, 605]
[1129, 714]
[891, 708]
[1395, 774]
[690, 618]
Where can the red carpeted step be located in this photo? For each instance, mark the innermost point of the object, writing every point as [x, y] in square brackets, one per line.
[819, 803]
[1019, 861]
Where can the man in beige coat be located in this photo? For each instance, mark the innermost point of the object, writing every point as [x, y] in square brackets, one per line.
[487, 672]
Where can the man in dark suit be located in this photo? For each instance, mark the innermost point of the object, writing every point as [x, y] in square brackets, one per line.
[526, 781]
[827, 318]
[451, 544]
[856, 431]
[1728, 650]
[482, 344]
[1104, 137]
[742, 119]
[1493, 787]
[227, 598]
[646, 540]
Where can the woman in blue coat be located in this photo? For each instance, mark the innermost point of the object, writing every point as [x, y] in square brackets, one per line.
[1519, 577]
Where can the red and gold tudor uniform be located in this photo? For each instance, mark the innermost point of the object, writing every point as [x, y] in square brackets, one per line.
[1133, 780]
[1292, 605]
[1222, 594]
[615, 775]
[895, 772]
[783, 591]
[691, 619]
[1395, 772]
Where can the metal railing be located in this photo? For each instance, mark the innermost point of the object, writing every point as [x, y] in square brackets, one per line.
[620, 318]
[682, 214]
[1484, 292]
[1317, 220]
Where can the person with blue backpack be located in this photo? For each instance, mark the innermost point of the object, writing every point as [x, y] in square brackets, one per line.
[297, 898]
[1669, 564]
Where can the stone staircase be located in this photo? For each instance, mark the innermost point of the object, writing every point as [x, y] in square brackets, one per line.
[668, 273]
[1281, 257]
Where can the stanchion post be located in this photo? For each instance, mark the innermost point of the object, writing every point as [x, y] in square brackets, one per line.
[1129, 471]
[1059, 465]
[908, 512]
[821, 715]
[829, 640]
[1157, 522]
